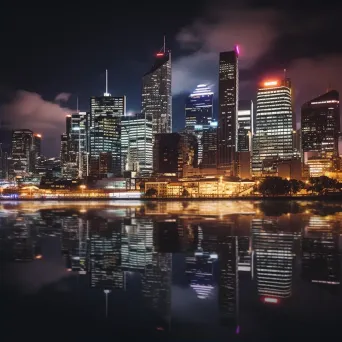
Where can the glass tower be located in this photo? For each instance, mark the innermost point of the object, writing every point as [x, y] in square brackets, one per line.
[228, 107]
[105, 134]
[136, 144]
[199, 114]
[274, 132]
[245, 126]
[22, 161]
[156, 94]
[321, 124]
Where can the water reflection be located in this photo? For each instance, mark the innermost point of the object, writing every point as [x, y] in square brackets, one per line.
[226, 264]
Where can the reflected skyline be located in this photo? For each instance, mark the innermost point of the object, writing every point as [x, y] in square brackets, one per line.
[154, 251]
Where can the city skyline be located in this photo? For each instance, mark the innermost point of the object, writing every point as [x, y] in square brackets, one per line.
[194, 49]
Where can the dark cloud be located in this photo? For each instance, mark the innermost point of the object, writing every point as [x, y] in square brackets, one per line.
[272, 37]
[30, 110]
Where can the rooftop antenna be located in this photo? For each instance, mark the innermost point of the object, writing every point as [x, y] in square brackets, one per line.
[77, 105]
[106, 93]
[284, 74]
[164, 44]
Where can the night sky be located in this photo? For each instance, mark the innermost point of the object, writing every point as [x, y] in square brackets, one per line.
[52, 54]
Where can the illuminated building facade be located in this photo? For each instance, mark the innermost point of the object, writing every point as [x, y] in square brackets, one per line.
[274, 132]
[199, 107]
[78, 141]
[105, 134]
[156, 94]
[228, 109]
[209, 145]
[64, 148]
[245, 126]
[168, 154]
[22, 156]
[321, 124]
[320, 253]
[273, 260]
[136, 144]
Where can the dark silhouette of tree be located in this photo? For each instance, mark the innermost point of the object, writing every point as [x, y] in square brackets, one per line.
[151, 192]
[185, 193]
[322, 184]
[273, 186]
[295, 186]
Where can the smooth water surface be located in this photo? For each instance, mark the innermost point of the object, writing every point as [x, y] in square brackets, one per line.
[178, 271]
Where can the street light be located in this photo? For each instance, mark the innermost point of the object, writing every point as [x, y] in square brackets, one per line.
[82, 187]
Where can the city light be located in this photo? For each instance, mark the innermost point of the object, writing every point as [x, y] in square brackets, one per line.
[271, 300]
[270, 83]
[160, 54]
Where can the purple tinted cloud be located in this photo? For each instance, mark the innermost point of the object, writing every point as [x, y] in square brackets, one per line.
[30, 110]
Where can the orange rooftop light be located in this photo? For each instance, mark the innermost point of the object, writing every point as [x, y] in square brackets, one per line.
[271, 83]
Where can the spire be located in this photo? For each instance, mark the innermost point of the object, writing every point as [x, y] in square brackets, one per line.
[164, 48]
[106, 93]
[77, 105]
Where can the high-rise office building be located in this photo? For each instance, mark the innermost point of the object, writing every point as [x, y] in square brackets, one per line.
[77, 141]
[320, 125]
[209, 143]
[64, 149]
[3, 163]
[136, 144]
[273, 260]
[199, 114]
[156, 93]
[245, 126]
[228, 110]
[199, 107]
[22, 161]
[105, 134]
[274, 125]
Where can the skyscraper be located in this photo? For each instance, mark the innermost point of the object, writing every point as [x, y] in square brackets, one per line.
[199, 114]
[199, 107]
[156, 93]
[22, 161]
[209, 143]
[321, 124]
[245, 126]
[274, 132]
[105, 134]
[228, 107]
[136, 144]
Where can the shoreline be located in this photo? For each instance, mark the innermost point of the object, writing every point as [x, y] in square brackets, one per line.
[335, 197]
